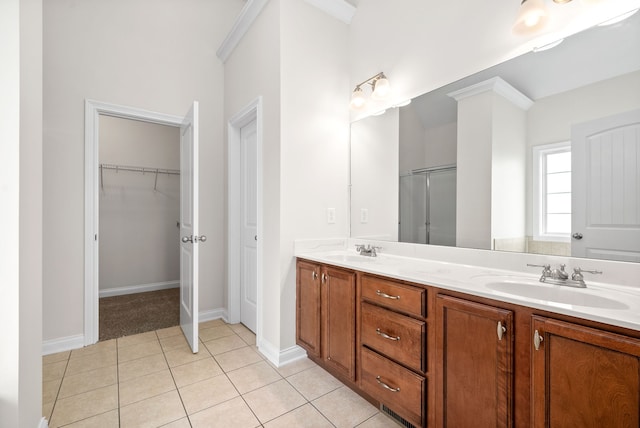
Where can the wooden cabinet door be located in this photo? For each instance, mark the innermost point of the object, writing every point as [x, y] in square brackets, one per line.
[474, 376]
[583, 377]
[339, 320]
[308, 302]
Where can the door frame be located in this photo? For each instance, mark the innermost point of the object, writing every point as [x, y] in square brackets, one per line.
[234, 206]
[92, 111]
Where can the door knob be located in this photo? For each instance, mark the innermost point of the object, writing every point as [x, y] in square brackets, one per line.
[577, 235]
[202, 238]
[186, 239]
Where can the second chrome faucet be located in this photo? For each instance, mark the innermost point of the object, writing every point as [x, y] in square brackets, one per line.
[561, 277]
[368, 250]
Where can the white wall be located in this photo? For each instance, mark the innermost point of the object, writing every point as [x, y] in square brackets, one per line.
[154, 55]
[315, 138]
[374, 178]
[139, 237]
[21, 213]
[306, 135]
[253, 70]
[441, 145]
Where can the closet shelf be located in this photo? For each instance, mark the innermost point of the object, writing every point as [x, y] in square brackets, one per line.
[142, 169]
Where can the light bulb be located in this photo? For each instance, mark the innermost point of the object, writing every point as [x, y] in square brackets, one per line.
[381, 88]
[532, 17]
[357, 98]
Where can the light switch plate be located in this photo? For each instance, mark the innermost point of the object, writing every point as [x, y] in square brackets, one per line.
[364, 215]
[331, 215]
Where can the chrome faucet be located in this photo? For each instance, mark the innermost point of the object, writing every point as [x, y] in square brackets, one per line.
[561, 277]
[368, 251]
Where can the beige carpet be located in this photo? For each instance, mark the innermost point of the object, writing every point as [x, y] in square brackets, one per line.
[137, 313]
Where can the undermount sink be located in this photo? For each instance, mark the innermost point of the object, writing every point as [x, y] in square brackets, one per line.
[347, 258]
[554, 294]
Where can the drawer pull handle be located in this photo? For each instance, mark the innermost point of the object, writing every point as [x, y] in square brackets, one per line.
[387, 296]
[386, 336]
[385, 386]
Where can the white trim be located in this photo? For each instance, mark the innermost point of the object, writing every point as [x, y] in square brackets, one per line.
[280, 358]
[92, 111]
[339, 9]
[497, 85]
[62, 344]
[248, 14]
[43, 423]
[140, 288]
[250, 112]
[212, 314]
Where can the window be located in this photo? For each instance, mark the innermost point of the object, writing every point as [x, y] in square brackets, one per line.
[552, 192]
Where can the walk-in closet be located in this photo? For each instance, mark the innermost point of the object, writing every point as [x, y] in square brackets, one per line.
[139, 211]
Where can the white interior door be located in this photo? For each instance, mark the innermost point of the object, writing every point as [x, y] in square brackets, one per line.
[249, 235]
[605, 164]
[189, 227]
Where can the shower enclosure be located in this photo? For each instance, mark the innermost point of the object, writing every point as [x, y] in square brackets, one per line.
[428, 206]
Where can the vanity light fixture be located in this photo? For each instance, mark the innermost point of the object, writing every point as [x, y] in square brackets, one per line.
[532, 16]
[380, 87]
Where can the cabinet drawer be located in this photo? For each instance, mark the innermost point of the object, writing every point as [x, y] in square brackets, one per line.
[391, 294]
[397, 336]
[398, 388]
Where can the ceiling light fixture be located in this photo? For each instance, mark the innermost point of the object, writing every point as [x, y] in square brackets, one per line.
[380, 87]
[532, 16]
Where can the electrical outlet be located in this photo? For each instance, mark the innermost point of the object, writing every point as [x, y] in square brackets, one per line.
[331, 215]
[364, 215]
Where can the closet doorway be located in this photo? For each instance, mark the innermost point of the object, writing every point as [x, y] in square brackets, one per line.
[187, 238]
[139, 211]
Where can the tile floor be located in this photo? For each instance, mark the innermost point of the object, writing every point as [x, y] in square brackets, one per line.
[154, 380]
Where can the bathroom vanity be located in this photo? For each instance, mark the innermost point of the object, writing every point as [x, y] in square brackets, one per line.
[437, 344]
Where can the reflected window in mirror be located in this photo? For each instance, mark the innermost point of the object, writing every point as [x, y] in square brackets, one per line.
[552, 197]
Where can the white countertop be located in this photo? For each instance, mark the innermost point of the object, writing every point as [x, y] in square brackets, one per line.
[607, 303]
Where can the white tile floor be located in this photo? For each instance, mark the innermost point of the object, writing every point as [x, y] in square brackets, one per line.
[154, 380]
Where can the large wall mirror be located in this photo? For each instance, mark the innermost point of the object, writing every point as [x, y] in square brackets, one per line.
[539, 154]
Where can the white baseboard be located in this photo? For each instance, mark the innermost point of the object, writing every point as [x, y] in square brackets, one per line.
[212, 314]
[280, 358]
[75, 342]
[43, 423]
[141, 288]
[62, 344]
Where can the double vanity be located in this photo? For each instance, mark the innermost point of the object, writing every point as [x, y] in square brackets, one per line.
[439, 344]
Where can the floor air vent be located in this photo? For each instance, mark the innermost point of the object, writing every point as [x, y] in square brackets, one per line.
[396, 417]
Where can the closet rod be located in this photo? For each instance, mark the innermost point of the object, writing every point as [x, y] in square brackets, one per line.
[141, 169]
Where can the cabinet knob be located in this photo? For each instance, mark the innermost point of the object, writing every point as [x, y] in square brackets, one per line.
[537, 340]
[314, 275]
[325, 277]
[501, 330]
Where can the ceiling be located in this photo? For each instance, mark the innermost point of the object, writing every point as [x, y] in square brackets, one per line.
[596, 54]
